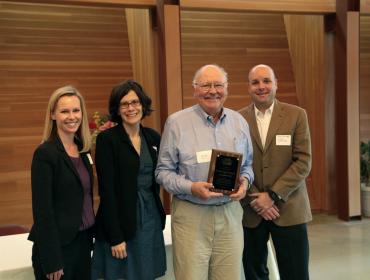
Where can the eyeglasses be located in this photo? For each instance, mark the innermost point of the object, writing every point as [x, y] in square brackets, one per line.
[134, 103]
[207, 86]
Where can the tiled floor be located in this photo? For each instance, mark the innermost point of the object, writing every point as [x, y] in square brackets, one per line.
[339, 250]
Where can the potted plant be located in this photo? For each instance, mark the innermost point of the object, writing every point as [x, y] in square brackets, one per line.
[365, 177]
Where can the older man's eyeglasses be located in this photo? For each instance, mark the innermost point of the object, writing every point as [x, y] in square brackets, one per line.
[207, 86]
[134, 103]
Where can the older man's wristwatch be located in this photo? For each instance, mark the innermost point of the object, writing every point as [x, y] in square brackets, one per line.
[275, 197]
[249, 185]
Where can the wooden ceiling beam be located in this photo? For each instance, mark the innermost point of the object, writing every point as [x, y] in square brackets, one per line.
[100, 3]
[270, 6]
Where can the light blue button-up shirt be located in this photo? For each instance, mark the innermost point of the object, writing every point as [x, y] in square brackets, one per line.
[190, 131]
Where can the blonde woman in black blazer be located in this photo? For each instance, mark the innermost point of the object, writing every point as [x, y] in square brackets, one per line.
[130, 219]
[62, 180]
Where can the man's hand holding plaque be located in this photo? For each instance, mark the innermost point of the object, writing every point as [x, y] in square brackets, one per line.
[224, 171]
[242, 191]
[203, 190]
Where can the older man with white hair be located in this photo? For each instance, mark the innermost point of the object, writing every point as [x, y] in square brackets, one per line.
[207, 231]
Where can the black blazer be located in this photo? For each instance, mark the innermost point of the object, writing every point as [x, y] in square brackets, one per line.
[57, 200]
[117, 166]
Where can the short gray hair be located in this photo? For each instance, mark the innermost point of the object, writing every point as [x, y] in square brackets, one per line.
[201, 69]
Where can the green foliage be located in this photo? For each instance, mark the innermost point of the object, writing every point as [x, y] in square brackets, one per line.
[365, 162]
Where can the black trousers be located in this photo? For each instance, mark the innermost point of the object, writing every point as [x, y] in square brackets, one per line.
[76, 259]
[291, 246]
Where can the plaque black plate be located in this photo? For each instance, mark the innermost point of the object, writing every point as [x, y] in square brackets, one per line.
[224, 171]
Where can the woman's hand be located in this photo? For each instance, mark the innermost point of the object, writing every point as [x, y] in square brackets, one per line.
[55, 275]
[119, 251]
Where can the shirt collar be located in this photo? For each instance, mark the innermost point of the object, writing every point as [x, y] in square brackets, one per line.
[209, 118]
[269, 111]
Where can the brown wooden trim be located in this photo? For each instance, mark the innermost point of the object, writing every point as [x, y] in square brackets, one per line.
[173, 58]
[341, 145]
[159, 27]
[353, 105]
[169, 56]
[270, 6]
[329, 23]
[101, 3]
[344, 115]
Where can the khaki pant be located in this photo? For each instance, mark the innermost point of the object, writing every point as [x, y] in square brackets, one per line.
[207, 241]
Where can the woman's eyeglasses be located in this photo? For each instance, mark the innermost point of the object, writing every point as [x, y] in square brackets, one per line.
[134, 103]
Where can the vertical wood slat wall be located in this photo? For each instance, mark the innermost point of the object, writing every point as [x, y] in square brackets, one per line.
[292, 45]
[365, 77]
[143, 51]
[235, 41]
[306, 44]
[93, 54]
[44, 47]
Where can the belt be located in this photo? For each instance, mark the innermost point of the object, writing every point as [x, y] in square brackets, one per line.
[200, 204]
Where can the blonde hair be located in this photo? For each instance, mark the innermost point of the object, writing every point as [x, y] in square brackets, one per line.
[50, 129]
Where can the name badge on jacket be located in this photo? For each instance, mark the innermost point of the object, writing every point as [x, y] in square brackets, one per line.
[283, 140]
[204, 156]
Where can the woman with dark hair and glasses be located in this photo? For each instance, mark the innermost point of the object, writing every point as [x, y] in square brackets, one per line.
[130, 219]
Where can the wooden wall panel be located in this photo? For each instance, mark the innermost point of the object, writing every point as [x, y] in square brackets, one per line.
[97, 3]
[294, 48]
[353, 115]
[347, 109]
[286, 6]
[237, 42]
[365, 77]
[43, 47]
[171, 43]
[143, 53]
[329, 59]
[306, 42]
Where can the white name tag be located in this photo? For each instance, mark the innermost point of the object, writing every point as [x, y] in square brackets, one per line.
[283, 140]
[90, 159]
[204, 156]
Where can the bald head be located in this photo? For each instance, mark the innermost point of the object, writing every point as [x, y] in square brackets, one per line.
[262, 86]
[256, 67]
